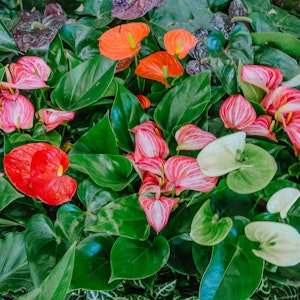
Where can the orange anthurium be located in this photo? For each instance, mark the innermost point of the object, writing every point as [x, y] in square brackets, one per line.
[159, 66]
[123, 41]
[179, 42]
[145, 102]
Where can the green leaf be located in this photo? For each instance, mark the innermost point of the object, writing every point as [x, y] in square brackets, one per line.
[70, 219]
[107, 170]
[92, 268]
[99, 139]
[126, 113]
[224, 60]
[233, 269]
[85, 84]
[184, 103]
[4, 223]
[7, 43]
[8, 193]
[14, 270]
[258, 170]
[125, 217]
[41, 246]
[185, 14]
[132, 259]
[207, 229]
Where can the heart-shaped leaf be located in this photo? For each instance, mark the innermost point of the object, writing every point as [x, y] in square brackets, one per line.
[9, 194]
[207, 228]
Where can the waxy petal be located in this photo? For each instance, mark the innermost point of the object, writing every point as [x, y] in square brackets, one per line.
[17, 166]
[263, 126]
[149, 125]
[237, 112]
[16, 114]
[191, 137]
[279, 243]
[159, 66]
[185, 173]
[53, 118]
[148, 144]
[292, 128]
[282, 201]
[150, 185]
[115, 42]
[158, 210]
[266, 78]
[145, 102]
[154, 165]
[179, 42]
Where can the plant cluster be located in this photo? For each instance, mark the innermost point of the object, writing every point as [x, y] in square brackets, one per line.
[149, 150]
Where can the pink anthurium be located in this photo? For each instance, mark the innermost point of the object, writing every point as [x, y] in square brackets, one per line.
[52, 117]
[237, 112]
[154, 165]
[191, 137]
[148, 144]
[266, 78]
[263, 126]
[158, 210]
[148, 125]
[279, 97]
[16, 114]
[185, 174]
[36, 169]
[150, 185]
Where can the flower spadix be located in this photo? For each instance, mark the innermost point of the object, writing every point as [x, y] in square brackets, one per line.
[222, 155]
[279, 243]
[283, 200]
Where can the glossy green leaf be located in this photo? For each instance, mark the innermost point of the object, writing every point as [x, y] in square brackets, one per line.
[99, 139]
[259, 169]
[126, 113]
[93, 253]
[132, 259]
[107, 170]
[7, 43]
[209, 229]
[8, 193]
[70, 218]
[4, 223]
[85, 84]
[14, 269]
[224, 58]
[184, 103]
[124, 216]
[41, 247]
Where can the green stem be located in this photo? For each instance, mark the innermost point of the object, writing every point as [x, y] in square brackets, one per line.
[241, 19]
[137, 77]
[255, 205]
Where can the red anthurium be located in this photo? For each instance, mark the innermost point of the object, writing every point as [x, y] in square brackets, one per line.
[280, 97]
[266, 78]
[263, 126]
[185, 174]
[179, 42]
[191, 137]
[292, 128]
[237, 112]
[148, 144]
[158, 210]
[123, 41]
[16, 114]
[52, 117]
[36, 169]
[159, 66]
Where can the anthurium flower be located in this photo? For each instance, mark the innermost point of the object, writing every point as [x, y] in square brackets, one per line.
[191, 137]
[280, 97]
[158, 210]
[237, 112]
[154, 165]
[179, 42]
[266, 78]
[145, 102]
[292, 128]
[36, 169]
[263, 126]
[282, 201]
[150, 186]
[148, 125]
[159, 66]
[279, 243]
[16, 114]
[52, 117]
[123, 41]
[185, 174]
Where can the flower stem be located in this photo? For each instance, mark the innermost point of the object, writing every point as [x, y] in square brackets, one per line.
[137, 77]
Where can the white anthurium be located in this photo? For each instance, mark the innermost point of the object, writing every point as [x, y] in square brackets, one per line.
[279, 243]
[221, 156]
[282, 201]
